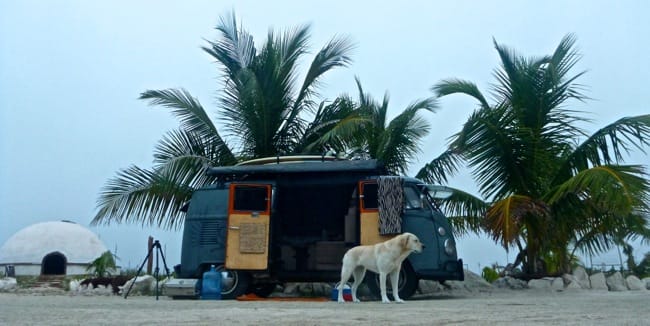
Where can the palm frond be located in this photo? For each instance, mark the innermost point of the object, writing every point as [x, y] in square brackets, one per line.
[192, 116]
[507, 218]
[609, 144]
[459, 86]
[600, 233]
[401, 139]
[235, 49]
[139, 195]
[441, 167]
[336, 53]
[491, 147]
[613, 188]
[334, 126]
[464, 211]
[179, 143]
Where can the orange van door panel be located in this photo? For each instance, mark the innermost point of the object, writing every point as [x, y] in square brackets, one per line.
[369, 214]
[247, 240]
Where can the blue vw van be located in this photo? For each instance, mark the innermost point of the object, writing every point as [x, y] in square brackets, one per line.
[291, 219]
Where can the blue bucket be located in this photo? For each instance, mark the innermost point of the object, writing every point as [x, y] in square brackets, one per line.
[347, 293]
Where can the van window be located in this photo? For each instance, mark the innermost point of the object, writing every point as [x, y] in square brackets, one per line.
[412, 197]
[250, 198]
[370, 196]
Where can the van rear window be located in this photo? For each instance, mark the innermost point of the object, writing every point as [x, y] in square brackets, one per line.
[250, 198]
[370, 200]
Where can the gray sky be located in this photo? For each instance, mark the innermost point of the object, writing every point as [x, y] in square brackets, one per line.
[71, 72]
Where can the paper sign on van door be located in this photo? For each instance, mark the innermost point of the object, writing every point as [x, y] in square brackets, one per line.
[252, 238]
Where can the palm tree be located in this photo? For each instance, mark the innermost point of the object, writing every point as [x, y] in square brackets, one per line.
[263, 111]
[547, 184]
[396, 142]
[368, 132]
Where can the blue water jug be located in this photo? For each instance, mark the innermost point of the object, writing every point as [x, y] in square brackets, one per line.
[211, 285]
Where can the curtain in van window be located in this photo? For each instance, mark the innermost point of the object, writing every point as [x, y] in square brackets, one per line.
[391, 204]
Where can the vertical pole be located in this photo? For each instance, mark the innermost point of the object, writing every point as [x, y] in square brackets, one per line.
[150, 261]
[156, 274]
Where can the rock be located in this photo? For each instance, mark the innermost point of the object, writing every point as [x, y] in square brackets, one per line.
[472, 283]
[598, 281]
[540, 283]
[430, 287]
[646, 280]
[571, 282]
[161, 283]
[580, 275]
[143, 285]
[290, 288]
[573, 286]
[315, 289]
[8, 284]
[510, 283]
[615, 282]
[101, 290]
[327, 289]
[557, 284]
[634, 283]
[306, 289]
[73, 286]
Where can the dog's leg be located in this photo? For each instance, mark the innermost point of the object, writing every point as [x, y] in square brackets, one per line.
[382, 287]
[359, 273]
[345, 276]
[394, 279]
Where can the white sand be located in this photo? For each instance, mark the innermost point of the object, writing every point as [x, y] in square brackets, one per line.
[496, 308]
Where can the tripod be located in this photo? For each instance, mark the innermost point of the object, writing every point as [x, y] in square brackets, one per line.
[156, 244]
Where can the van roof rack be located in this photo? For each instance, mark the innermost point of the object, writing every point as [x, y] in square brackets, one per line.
[363, 166]
[289, 159]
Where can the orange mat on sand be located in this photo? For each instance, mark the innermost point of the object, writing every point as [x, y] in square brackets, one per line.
[253, 297]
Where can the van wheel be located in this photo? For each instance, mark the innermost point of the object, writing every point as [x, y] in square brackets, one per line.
[407, 283]
[233, 283]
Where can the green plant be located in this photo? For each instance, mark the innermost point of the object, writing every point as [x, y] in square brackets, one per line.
[102, 265]
[489, 274]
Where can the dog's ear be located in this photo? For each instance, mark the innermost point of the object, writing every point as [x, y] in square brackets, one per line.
[405, 240]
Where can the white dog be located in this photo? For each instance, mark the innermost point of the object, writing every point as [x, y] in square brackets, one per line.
[384, 258]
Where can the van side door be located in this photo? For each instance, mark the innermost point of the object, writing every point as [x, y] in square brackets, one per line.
[247, 240]
[369, 213]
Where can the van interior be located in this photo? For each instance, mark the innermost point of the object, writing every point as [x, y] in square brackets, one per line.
[316, 221]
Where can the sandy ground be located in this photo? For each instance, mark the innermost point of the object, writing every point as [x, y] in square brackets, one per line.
[503, 307]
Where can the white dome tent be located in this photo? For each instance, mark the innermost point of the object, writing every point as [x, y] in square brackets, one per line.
[51, 248]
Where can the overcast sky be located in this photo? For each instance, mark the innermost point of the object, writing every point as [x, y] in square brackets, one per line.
[71, 72]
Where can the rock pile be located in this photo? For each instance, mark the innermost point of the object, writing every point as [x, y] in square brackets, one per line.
[577, 281]
[144, 285]
[473, 283]
[8, 284]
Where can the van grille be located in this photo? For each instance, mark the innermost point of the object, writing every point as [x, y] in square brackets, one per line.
[212, 232]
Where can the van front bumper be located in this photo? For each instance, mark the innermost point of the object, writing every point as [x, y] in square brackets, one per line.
[451, 271]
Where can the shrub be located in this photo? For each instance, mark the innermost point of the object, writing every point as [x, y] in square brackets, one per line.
[103, 265]
[489, 274]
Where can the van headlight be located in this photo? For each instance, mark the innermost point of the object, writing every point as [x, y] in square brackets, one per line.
[442, 231]
[450, 247]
